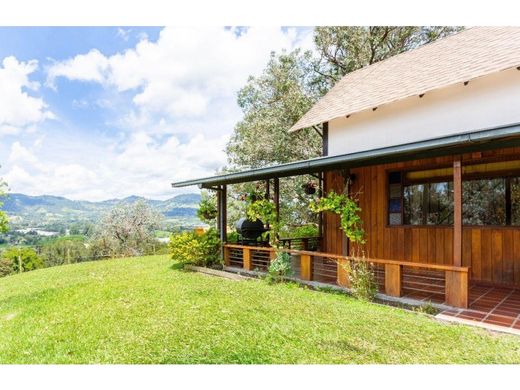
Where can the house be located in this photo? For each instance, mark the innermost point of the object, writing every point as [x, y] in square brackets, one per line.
[430, 141]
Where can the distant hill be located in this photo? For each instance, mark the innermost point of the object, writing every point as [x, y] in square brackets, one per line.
[45, 210]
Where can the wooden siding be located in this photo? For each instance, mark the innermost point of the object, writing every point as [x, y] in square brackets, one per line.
[493, 253]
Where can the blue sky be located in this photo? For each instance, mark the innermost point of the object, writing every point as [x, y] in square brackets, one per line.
[102, 112]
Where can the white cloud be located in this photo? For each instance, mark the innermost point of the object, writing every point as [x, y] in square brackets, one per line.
[145, 166]
[123, 34]
[20, 153]
[185, 70]
[18, 109]
[84, 67]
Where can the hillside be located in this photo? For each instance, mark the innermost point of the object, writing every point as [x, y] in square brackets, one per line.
[143, 310]
[47, 210]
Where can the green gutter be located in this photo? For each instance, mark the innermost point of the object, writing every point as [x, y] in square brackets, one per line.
[500, 137]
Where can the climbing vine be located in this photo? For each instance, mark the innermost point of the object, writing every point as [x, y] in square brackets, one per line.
[348, 210]
[265, 210]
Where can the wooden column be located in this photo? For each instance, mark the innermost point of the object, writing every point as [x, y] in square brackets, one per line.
[276, 193]
[247, 259]
[226, 256]
[320, 217]
[305, 267]
[342, 272]
[457, 212]
[222, 216]
[219, 211]
[457, 288]
[393, 280]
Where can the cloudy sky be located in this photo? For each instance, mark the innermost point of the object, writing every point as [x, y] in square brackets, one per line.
[98, 113]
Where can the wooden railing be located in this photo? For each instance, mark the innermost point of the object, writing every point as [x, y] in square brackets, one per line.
[395, 278]
[301, 243]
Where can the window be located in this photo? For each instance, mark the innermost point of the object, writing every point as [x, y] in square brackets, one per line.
[484, 201]
[426, 198]
[428, 204]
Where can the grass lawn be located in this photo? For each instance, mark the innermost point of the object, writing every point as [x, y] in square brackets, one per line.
[141, 310]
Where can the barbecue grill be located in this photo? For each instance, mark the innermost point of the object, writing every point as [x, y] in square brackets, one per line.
[250, 231]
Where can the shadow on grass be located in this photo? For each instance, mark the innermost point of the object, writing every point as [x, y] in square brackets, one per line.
[177, 266]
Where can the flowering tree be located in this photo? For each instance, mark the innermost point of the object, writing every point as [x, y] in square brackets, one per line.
[128, 229]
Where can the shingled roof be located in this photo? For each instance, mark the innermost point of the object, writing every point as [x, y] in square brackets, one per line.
[472, 53]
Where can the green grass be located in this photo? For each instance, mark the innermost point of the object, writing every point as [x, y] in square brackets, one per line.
[143, 310]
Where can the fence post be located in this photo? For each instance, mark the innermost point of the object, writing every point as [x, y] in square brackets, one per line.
[393, 280]
[457, 288]
[247, 259]
[225, 250]
[305, 267]
[343, 279]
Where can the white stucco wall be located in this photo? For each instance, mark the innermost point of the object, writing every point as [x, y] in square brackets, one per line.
[485, 102]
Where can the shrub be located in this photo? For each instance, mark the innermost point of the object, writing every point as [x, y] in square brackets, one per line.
[6, 267]
[280, 267]
[362, 279]
[309, 230]
[191, 248]
[210, 242]
[27, 258]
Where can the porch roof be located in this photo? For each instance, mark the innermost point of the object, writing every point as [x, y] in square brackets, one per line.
[500, 137]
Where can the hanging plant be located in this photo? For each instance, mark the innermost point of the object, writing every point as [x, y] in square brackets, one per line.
[309, 188]
[347, 209]
[207, 210]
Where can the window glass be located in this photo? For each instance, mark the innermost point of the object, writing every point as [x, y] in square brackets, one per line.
[515, 201]
[394, 198]
[428, 204]
[413, 204]
[484, 202]
[440, 203]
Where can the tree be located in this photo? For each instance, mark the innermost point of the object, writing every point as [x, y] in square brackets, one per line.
[4, 223]
[272, 103]
[128, 229]
[345, 49]
[22, 259]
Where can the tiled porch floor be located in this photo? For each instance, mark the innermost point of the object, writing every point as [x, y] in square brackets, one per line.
[494, 306]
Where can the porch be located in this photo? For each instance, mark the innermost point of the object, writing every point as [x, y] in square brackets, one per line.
[438, 215]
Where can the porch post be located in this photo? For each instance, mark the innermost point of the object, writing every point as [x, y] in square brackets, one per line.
[219, 211]
[457, 212]
[276, 191]
[222, 216]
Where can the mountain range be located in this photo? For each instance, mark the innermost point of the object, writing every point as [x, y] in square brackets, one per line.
[47, 210]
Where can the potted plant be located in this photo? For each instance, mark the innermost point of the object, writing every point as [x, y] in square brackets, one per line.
[207, 208]
[309, 188]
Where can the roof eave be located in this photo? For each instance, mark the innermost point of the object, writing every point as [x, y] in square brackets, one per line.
[460, 143]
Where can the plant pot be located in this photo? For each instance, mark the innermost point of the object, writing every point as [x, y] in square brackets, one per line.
[309, 188]
[209, 215]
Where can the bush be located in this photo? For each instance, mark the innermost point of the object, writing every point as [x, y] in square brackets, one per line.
[197, 249]
[280, 267]
[24, 257]
[309, 230]
[362, 279]
[6, 267]
[64, 250]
